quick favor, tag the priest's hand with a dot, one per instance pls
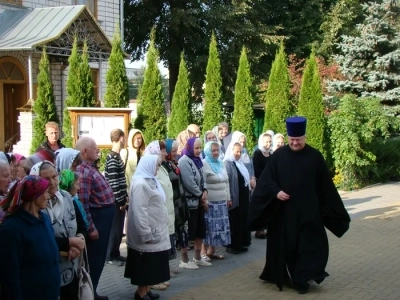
(282, 196)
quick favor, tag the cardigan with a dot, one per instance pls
(217, 184)
(191, 178)
(29, 258)
(163, 178)
(233, 182)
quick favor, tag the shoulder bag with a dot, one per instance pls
(85, 291)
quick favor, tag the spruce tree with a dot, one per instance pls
(44, 106)
(278, 105)
(151, 111)
(73, 95)
(213, 92)
(86, 81)
(243, 114)
(311, 106)
(180, 102)
(117, 90)
(370, 59)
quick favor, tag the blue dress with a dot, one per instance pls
(29, 258)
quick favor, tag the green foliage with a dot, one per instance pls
(180, 102)
(102, 160)
(73, 99)
(311, 106)
(387, 159)
(278, 106)
(354, 129)
(117, 91)
(243, 114)
(213, 92)
(44, 107)
(85, 80)
(152, 120)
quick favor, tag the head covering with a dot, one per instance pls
(66, 179)
(239, 163)
(207, 133)
(168, 145)
(215, 131)
(261, 142)
(56, 206)
(131, 135)
(18, 157)
(146, 169)
(153, 148)
(296, 126)
(64, 158)
(236, 135)
(27, 189)
(215, 163)
(189, 152)
(276, 137)
(41, 155)
(4, 157)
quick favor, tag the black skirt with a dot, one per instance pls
(147, 268)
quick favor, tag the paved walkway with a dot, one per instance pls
(364, 264)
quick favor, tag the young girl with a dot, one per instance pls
(69, 181)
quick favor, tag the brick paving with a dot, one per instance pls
(364, 264)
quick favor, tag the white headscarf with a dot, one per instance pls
(275, 142)
(239, 163)
(64, 158)
(236, 135)
(261, 142)
(147, 168)
(3, 157)
(153, 148)
(56, 211)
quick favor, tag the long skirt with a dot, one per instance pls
(218, 231)
(147, 268)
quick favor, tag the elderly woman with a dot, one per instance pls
(67, 159)
(194, 185)
(239, 187)
(279, 141)
(180, 205)
(147, 238)
(67, 223)
(28, 251)
(217, 218)
(239, 137)
(210, 136)
(158, 148)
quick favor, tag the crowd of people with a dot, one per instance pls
(172, 194)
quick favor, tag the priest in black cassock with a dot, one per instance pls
(296, 198)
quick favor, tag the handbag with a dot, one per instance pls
(85, 290)
(192, 202)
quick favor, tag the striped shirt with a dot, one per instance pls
(94, 191)
(115, 175)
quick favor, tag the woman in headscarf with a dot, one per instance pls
(239, 186)
(210, 136)
(67, 222)
(261, 159)
(180, 205)
(147, 237)
(217, 217)
(67, 159)
(158, 148)
(217, 131)
(28, 251)
(279, 141)
(239, 137)
(194, 185)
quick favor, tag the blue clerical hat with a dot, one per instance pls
(296, 126)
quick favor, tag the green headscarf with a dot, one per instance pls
(66, 179)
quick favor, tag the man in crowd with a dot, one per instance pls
(191, 131)
(98, 201)
(296, 198)
(52, 142)
(115, 175)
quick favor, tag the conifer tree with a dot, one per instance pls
(117, 90)
(213, 92)
(44, 106)
(73, 98)
(311, 106)
(180, 113)
(151, 111)
(86, 81)
(370, 59)
(278, 106)
(243, 114)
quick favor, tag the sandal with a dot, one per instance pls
(215, 255)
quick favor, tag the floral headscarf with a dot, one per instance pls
(28, 189)
(215, 163)
(153, 148)
(189, 152)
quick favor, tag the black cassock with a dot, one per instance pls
(297, 243)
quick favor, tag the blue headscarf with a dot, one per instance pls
(168, 145)
(215, 163)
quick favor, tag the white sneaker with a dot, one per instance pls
(202, 263)
(189, 265)
(204, 257)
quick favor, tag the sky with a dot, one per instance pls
(142, 63)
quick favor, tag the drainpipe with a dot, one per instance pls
(30, 76)
(62, 93)
(121, 16)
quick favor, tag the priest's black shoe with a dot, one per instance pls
(98, 297)
(153, 296)
(145, 297)
(303, 288)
